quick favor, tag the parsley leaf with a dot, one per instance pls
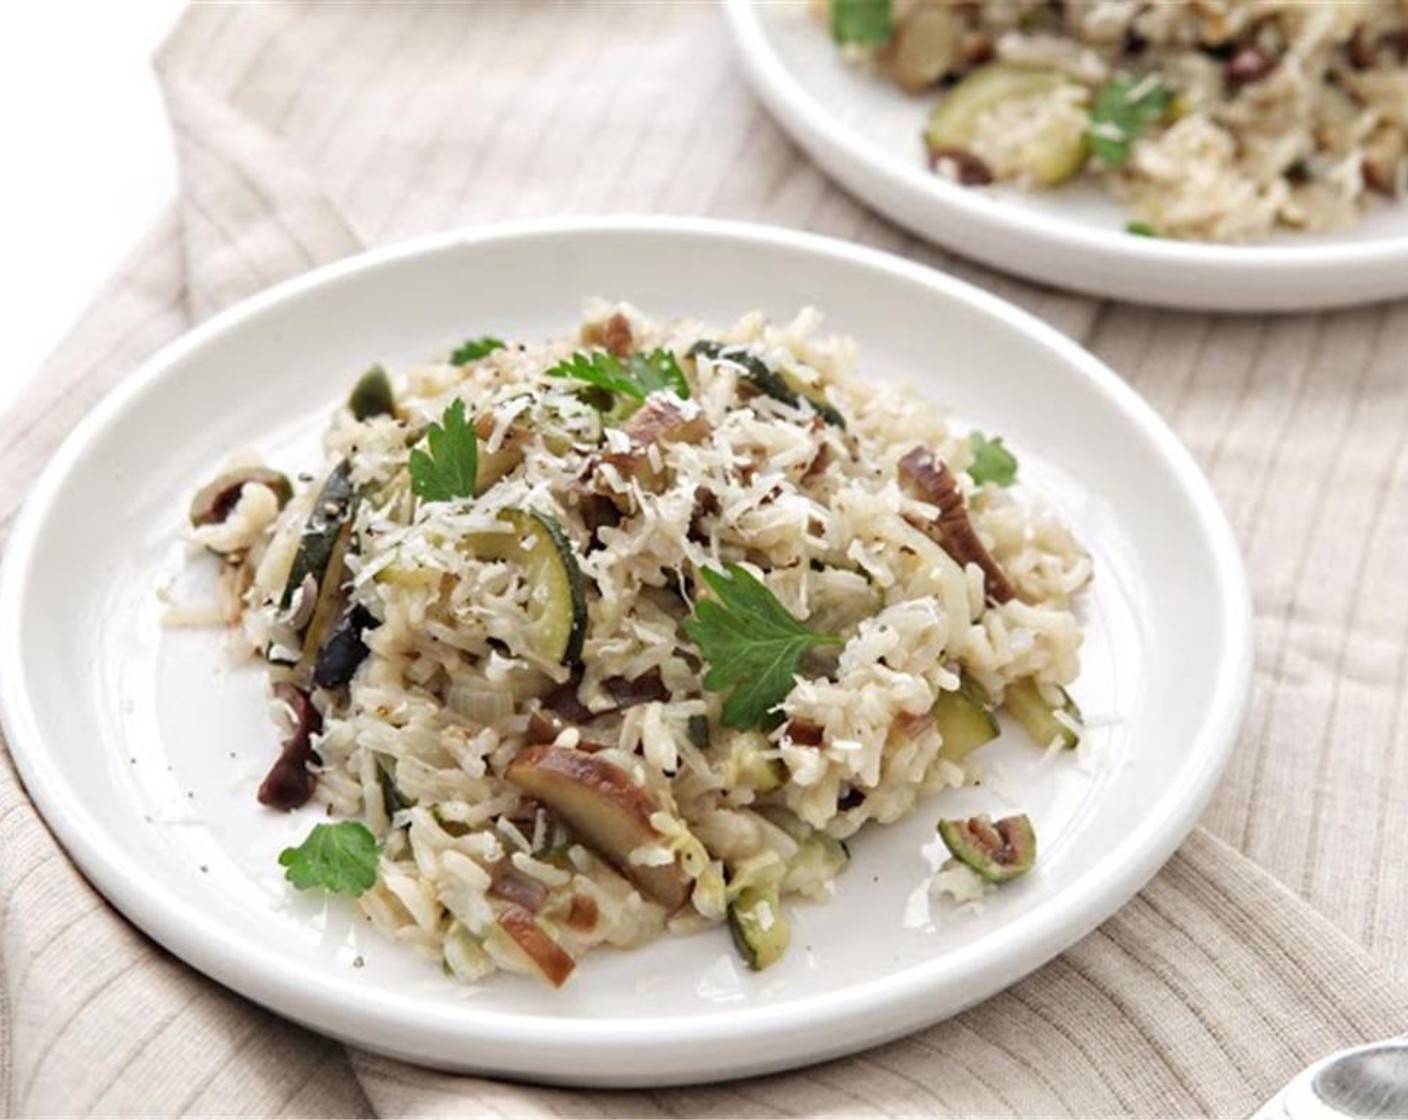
(634, 378)
(753, 646)
(1123, 109)
(475, 348)
(449, 468)
(992, 462)
(861, 21)
(339, 858)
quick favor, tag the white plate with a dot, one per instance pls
(865, 133)
(124, 732)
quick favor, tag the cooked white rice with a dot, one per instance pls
(817, 511)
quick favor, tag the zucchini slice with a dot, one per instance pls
(1028, 705)
(963, 720)
(324, 541)
(780, 385)
(372, 395)
(557, 602)
(759, 928)
(1049, 157)
(331, 512)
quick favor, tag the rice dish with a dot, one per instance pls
(632, 630)
(1211, 120)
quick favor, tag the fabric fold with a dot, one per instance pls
(299, 126)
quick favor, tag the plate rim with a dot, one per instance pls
(884, 1008)
(806, 121)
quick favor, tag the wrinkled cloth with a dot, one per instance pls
(1278, 933)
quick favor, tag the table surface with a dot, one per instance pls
(96, 157)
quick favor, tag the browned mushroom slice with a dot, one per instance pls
(550, 958)
(663, 419)
(512, 886)
(289, 782)
(935, 483)
(613, 335)
(608, 811)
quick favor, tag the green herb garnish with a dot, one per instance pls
(1123, 109)
(1140, 229)
(992, 462)
(475, 348)
(340, 858)
(753, 646)
(861, 21)
(633, 378)
(448, 470)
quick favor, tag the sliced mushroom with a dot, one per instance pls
(613, 335)
(952, 530)
(608, 811)
(216, 500)
(289, 782)
(664, 419)
(583, 913)
(550, 958)
(628, 692)
(512, 886)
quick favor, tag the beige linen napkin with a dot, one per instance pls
(1276, 934)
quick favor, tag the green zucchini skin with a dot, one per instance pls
(963, 721)
(766, 380)
(1025, 703)
(576, 584)
(331, 512)
(760, 946)
(561, 631)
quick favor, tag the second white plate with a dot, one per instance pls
(865, 134)
(143, 746)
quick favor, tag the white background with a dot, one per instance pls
(90, 161)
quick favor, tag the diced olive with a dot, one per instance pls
(1029, 706)
(217, 499)
(963, 720)
(372, 395)
(1049, 157)
(926, 46)
(344, 648)
(557, 600)
(782, 385)
(759, 928)
(997, 850)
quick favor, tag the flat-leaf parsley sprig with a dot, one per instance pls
(992, 462)
(752, 645)
(448, 469)
(1124, 109)
(634, 378)
(339, 858)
